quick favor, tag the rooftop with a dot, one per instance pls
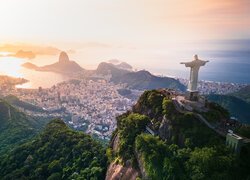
(234, 136)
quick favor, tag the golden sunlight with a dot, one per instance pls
(10, 66)
(4, 54)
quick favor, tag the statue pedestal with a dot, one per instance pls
(192, 95)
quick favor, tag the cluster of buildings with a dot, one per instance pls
(210, 87)
(86, 105)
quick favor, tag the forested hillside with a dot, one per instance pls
(15, 126)
(57, 153)
(236, 106)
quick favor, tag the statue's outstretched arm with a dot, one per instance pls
(204, 62)
(187, 64)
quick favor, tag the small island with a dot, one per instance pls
(9, 82)
(25, 54)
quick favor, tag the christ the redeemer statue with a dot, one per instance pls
(195, 66)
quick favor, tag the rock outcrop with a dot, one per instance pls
(118, 171)
(121, 172)
(63, 58)
(164, 129)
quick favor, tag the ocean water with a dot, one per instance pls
(13, 67)
(223, 66)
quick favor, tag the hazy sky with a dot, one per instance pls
(124, 28)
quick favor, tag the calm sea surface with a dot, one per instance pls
(12, 67)
(223, 67)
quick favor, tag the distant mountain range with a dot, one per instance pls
(138, 80)
(120, 72)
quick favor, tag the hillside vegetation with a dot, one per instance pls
(243, 94)
(57, 153)
(15, 126)
(15, 101)
(236, 106)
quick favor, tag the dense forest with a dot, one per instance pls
(16, 127)
(56, 153)
(237, 103)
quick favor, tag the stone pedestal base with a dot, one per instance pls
(192, 95)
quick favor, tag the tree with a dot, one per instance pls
(207, 163)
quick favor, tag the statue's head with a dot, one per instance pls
(195, 57)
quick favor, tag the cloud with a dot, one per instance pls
(95, 45)
(85, 45)
(36, 49)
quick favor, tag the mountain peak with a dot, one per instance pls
(64, 65)
(63, 58)
(124, 65)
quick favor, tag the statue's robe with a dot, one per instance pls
(195, 66)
